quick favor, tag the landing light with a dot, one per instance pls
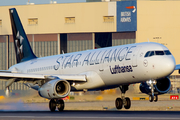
(149, 82)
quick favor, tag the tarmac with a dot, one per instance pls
(90, 107)
(90, 102)
(90, 115)
(94, 105)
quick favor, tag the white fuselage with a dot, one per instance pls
(105, 67)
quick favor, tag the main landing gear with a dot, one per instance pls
(7, 92)
(53, 103)
(123, 100)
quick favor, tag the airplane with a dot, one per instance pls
(98, 69)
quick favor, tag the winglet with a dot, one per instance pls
(22, 47)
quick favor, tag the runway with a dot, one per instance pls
(90, 115)
(97, 110)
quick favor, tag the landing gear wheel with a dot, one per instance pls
(127, 103)
(155, 98)
(151, 98)
(119, 103)
(60, 105)
(52, 105)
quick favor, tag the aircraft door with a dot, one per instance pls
(135, 56)
(101, 62)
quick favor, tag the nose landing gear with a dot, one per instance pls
(152, 97)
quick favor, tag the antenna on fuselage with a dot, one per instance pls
(62, 51)
(148, 39)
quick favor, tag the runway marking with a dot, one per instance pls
(55, 117)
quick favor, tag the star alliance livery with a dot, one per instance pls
(99, 69)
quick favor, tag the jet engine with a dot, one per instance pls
(55, 89)
(161, 86)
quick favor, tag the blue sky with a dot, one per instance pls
(24, 2)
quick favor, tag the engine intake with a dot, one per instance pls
(162, 86)
(55, 89)
(62, 88)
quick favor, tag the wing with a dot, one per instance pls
(32, 77)
(177, 67)
(29, 77)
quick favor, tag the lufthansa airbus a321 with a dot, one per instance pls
(54, 77)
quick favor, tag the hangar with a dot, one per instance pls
(62, 28)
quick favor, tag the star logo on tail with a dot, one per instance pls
(19, 45)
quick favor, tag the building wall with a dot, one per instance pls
(79, 42)
(123, 38)
(3, 52)
(53, 18)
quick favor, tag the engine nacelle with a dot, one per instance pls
(55, 89)
(162, 86)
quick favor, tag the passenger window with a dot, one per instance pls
(152, 53)
(159, 52)
(167, 52)
(147, 54)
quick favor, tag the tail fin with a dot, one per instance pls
(22, 47)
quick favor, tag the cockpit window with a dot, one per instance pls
(147, 54)
(167, 52)
(152, 53)
(159, 52)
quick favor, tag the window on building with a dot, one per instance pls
(0, 22)
(108, 18)
(33, 21)
(69, 19)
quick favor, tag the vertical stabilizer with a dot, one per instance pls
(22, 47)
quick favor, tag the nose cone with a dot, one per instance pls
(168, 65)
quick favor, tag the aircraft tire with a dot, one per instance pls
(151, 98)
(60, 105)
(127, 104)
(155, 98)
(119, 103)
(52, 105)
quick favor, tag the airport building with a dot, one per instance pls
(63, 28)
